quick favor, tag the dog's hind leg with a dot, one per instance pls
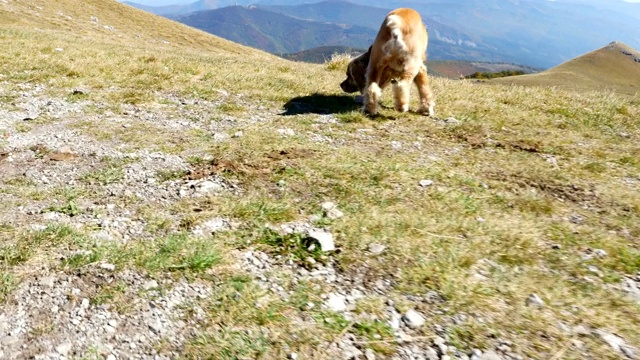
(427, 103)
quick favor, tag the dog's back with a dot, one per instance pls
(402, 35)
(397, 57)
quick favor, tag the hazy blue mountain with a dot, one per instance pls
(538, 33)
(275, 32)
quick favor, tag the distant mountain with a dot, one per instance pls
(445, 42)
(275, 32)
(272, 29)
(536, 33)
(615, 66)
(175, 10)
(532, 32)
(452, 69)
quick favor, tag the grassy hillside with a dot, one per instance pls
(614, 67)
(162, 189)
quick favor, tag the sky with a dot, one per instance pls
(174, 2)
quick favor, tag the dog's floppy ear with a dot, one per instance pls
(359, 70)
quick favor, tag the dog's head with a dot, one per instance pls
(356, 73)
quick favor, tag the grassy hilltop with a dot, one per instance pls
(147, 170)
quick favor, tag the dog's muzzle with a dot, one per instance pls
(348, 87)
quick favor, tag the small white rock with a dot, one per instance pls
(64, 348)
(84, 304)
(600, 253)
(425, 183)
(369, 354)
(286, 132)
(376, 249)
(108, 267)
(490, 355)
(331, 210)
(151, 284)
(534, 300)
(336, 302)
(413, 319)
(324, 238)
(394, 323)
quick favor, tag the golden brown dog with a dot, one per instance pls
(397, 56)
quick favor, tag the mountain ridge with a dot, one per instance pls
(538, 34)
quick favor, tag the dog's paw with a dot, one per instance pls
(428, 110)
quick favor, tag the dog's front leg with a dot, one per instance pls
(372, 95)
(427, 104)
(401, 95)
(373, 90)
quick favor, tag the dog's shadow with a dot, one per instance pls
(320, 104)
(324, 104)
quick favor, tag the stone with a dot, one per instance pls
(84, 303)
(394, 323)
(438, 340)
(600, 253)
(376, 249)
(413, 319)
(452, 121)
(108, 267)
(286, 132)
(616, 342)
(8, 341)
(331, 210)
(431, 354)
(369, 354)
(48, 281)
(534, 300)
(336, 302)
(207, 186)
(325, 239)
(151, 284)
(490, 355)
(425, 183)
(64, 348)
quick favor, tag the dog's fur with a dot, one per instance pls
(397, 56)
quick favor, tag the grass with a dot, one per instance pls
(507, 181)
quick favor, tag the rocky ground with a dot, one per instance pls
(49, 314)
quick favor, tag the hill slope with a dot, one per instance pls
(169, 194)
(613, 67)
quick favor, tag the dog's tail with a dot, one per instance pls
(396, 44)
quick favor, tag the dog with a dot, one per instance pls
(397, 57)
